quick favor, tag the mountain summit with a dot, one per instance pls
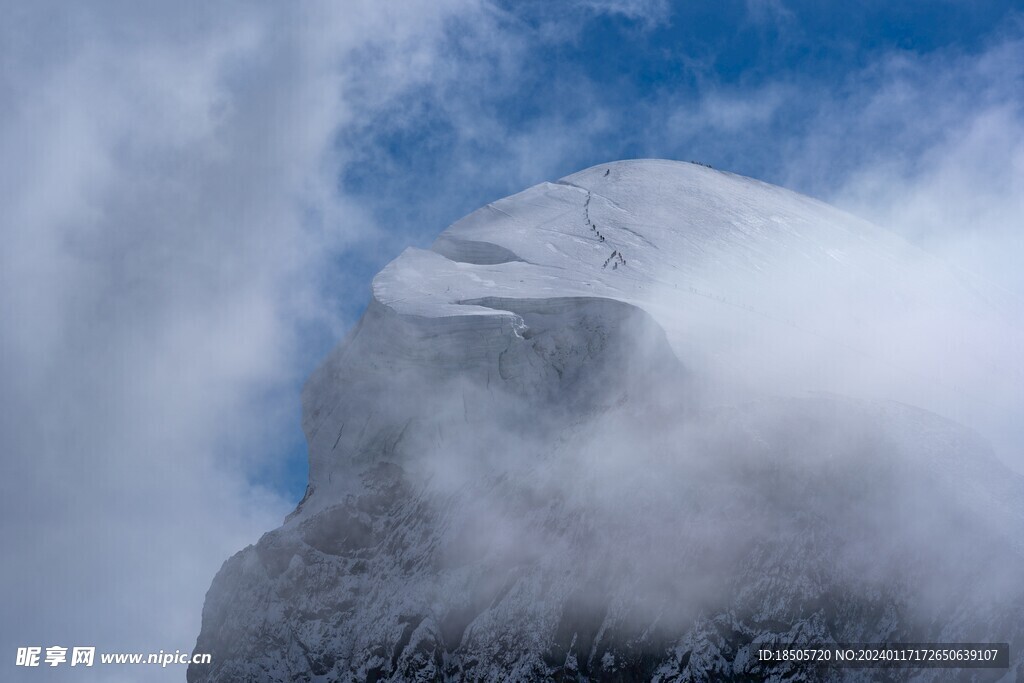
(633, 425)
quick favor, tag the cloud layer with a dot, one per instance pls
(170, 218)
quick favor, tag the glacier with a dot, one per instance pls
(631, 425)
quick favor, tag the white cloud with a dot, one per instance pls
(649, 12)
(170, 213)
(930, 147)
(961, 196)
(729, 111)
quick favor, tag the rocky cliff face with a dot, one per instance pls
(573, 441)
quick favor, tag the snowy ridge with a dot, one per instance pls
(554, 449)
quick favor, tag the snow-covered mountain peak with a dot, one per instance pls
(755, 287)
(573, 441)
(617, 230)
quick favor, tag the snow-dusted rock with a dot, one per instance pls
(574, 441)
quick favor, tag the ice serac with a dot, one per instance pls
(633, 425)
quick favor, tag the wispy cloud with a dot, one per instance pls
(648, 12)
(721, 112)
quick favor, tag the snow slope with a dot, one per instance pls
(574, 440)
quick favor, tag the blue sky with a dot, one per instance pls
(197, 196)
(612, 83)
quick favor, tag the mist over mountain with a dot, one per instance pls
(631, 425)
